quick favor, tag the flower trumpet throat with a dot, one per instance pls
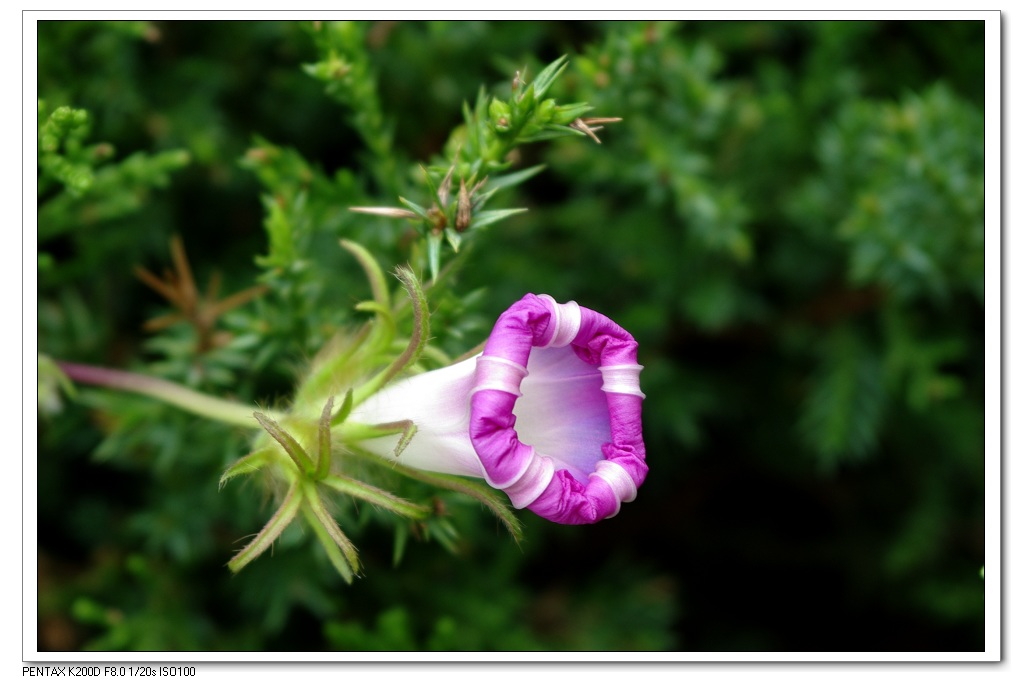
(549, 412)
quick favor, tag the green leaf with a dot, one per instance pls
(566, 113)
(546, 78)
(374, 273)
(512, 179)
(453, 238)
(400, 542)
(552, 132)
(845, 401)
(433, 246)
(417, 209)
(484, 218)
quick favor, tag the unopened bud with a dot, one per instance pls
(464, 215)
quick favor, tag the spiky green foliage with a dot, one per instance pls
(788, 218)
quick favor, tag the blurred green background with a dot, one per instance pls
(789, 219)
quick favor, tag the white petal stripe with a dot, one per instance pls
(532, 482)
(622, 379)
(567, 320)
(498, 374)
(618, 478)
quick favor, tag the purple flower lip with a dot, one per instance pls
(550, 413)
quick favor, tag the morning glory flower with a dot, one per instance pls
(549, 412)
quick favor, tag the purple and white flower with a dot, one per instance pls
(549, 412)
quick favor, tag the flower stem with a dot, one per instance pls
(169, 392)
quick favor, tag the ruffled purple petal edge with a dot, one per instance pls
(527, 477)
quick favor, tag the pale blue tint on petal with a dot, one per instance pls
(562, 412)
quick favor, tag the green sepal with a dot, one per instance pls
(315, 505)
(352, 433)
(377, 497)
(344, 410)
(287, 441)
(408, 431)
(284, 515)
(250, 463)
(334, 552)
(323, 440)
(478, 491)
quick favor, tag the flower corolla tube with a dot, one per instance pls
(549, 412)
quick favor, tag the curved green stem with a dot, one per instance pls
(169, 392)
